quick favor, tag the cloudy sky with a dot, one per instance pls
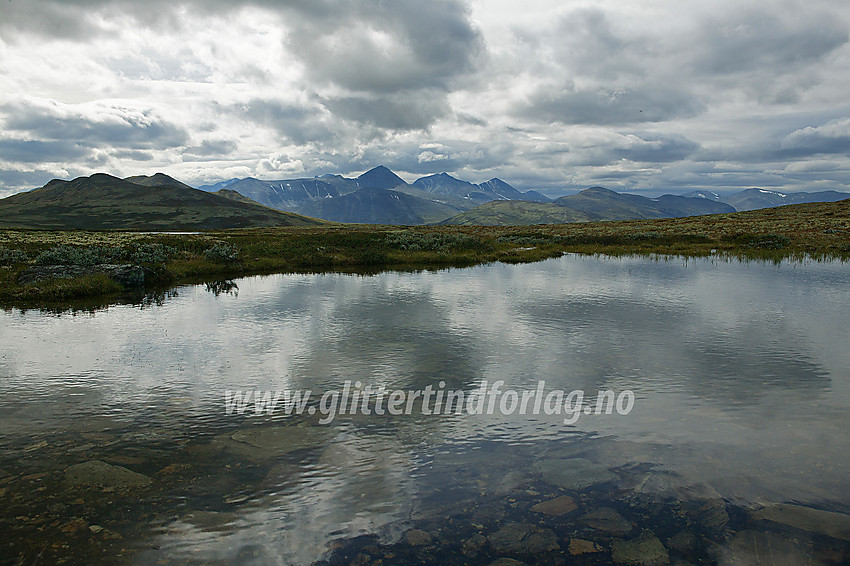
(649, 96)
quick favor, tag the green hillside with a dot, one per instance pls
(104, 202)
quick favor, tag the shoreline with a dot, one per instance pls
(817, 231)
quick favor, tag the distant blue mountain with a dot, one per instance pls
(334, 197)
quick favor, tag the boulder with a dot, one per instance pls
(96, 473)
(646, 550)
(574, 473)
(831, 524)
(524, 538)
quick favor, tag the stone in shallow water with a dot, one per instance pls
(574, 473)
(682, 541)
(755, 548)
(524, 538)
(699, 502)
(210, 520)
(556, 507)
(506, 562)
(96, 473)
(646, 550)
(473, 544)
(269, 441)
(609, 521)
(417, 537)
(581, 546)
(835, 525)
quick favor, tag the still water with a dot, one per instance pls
(116, 444)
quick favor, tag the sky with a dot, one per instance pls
(646, 96)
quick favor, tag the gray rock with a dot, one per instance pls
(210, 520)
(646, 550)
(705, 507)
(126, 275)
(609, 521)
(524, 538)
(755, 548)
(96, 473)
(265, 442)
(835, 525)
(556, 507)
(581, 546)
(473, 544)
(417, 537)
(699, 502)
(574, 473)
(682, 541)
(507, 562)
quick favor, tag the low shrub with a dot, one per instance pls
(11, 257)
(222, 253)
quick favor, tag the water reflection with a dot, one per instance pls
(740, 373)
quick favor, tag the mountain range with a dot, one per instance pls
(752, 199)
(378, 196)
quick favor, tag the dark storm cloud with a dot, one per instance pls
(387, 47)
(610, 106)
(300, 124)
(370, 54)
(15, 180)
(655, 148)
(213, 148)
(398, 111)
(763, 42)
(34, 151)
(133, 155)
(830, 138)
(359, 45)
(108, 126)
(585, 42)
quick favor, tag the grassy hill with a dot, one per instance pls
(517, 213)
(591, 205)
(104, 202)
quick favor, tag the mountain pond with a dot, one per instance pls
(630, 410)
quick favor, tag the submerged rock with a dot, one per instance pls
(556, 507)
(507, 562)
(417, 537)
(473, 544)
(835, 525)
(574, 473)
(524, 538)
(609, 521)
(700, 503)
(580, 546)
(269, 441)
(646, 550)
(705, 507)
(683, 542)
(210, 520)
(96, 473)
(756, 548)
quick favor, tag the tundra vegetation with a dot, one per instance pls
(814, 231)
